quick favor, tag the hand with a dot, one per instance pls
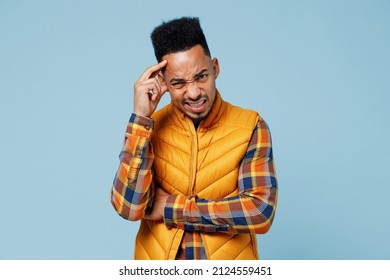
(160, 199)
(146, 103)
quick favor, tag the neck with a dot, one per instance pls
(196, 124)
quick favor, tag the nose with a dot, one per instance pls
(193, 90)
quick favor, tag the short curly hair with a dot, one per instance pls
(178, 35)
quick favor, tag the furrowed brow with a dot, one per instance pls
(176, 80)
(180, 80)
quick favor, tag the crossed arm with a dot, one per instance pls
(134, 196)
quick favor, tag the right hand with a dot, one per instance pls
(144, 102)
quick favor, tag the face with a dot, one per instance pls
(190, 77)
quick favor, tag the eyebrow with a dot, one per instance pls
(200, 73)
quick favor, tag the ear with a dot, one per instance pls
(216, 67)
(164, 86)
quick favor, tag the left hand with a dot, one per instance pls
(157, 212)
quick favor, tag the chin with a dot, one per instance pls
(198, 118)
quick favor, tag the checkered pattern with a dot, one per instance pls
(131, 194)
(252, 211)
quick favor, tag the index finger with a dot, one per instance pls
(152, 71)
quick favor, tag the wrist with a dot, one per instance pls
(141, 120)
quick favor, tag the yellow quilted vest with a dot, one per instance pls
(203, 162)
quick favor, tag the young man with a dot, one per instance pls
(198, 173)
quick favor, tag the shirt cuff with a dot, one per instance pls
(137, 137)
(174, 211)
(139, 125)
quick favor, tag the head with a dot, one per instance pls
(190, 73)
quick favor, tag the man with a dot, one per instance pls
(198, 173)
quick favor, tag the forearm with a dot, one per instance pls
(248, 212)
(131, 191)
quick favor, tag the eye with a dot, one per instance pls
(178, 84)
(203, 77)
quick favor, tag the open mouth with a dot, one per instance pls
(196, 106)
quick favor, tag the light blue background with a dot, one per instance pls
(317, 71)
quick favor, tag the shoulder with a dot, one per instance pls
(161, 113)
(238, 116)
(163, 116)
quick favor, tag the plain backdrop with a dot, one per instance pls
(317, 71)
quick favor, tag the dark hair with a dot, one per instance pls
(178, 35)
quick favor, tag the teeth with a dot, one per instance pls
(196, 104)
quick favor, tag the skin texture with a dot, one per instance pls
(194, 99)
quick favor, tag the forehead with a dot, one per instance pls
(186, 64)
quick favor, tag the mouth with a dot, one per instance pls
(196, 106)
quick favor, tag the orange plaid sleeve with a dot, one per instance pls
(131, 194)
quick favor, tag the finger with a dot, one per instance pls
(154, 87)
(153, 70)
(158, 93)
(157, 97)
(143, 87)
(153, 90)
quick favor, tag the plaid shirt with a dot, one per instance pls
(250, 212)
